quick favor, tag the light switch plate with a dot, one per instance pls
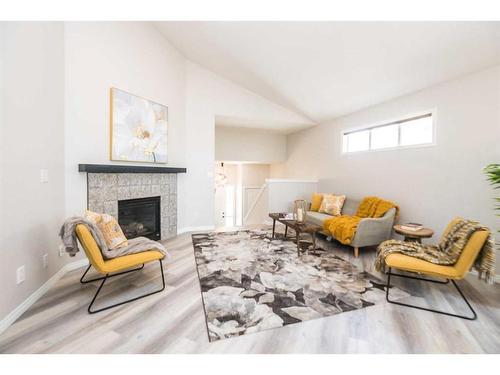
(45, 260)
(21, 274)
(44, 176)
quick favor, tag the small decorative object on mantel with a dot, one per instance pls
(299, 210)
(138, 128)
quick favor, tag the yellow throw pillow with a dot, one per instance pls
(110, 229)
(93, 217)
(316, 200)
(332, 204)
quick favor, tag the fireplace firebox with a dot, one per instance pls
(140, 217)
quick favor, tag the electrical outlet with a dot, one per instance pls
(62, 252)
(45, 260)
(21, 274)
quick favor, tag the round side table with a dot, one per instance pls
(414, 236)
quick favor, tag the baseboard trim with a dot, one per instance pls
(195, 229)
(37, 294)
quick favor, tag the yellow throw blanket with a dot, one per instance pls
(448, 252)
(344, 227)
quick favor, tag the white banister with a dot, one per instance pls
(254, 204)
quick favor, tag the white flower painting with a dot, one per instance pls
(138, 128)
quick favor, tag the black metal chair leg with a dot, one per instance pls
(389, 274)
(89, 309)
(101, 278)
(474, 315)
(421, 278)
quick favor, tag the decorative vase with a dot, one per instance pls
(299, 211)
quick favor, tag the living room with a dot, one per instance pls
(255, 187)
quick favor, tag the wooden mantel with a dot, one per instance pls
(110, 168)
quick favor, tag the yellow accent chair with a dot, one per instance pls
(114, 267)
(455, 272)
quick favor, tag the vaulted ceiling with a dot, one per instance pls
(324, 70)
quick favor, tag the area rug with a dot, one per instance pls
(250, 283)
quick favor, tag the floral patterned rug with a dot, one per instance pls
(250, 283)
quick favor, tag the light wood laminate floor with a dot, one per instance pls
(173, 321)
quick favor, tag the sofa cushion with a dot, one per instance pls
(350, 206)
(317, 217)
(316, 200)
(332, 204)
(111, 231)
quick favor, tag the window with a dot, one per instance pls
(417, 130)
(358, 141)
(384, 137)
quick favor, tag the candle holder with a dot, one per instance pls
(299, 211)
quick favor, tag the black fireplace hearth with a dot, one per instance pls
(140, 217)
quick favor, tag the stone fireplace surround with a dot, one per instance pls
(104, 190)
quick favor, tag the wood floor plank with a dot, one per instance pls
(173, 321)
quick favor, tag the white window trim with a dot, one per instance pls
(433, 113)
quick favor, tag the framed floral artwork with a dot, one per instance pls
(138, 128)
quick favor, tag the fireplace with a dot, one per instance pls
(107, 185)
(140, 217)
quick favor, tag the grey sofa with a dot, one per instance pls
(370, 231)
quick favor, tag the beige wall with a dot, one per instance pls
(249, 145)
(431, 184)
(31, 138)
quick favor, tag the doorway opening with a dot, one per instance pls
(240, 197)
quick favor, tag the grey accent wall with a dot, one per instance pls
(106, 189)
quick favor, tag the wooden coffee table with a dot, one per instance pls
(414, 236)
(299, 228)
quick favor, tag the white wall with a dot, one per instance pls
(281, 193)
(31, 138)
(249, 145)
(132, 56)
(209, 96)
(55, 114)
(222, 212)
(431, 184)
(254, 174)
